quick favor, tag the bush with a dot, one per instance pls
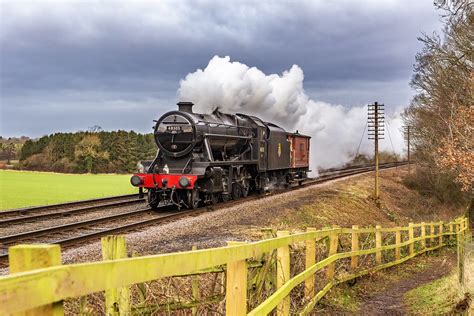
(64, 165)
(384, 156)
(436, 183)
(37, 162)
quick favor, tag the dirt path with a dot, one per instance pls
(389, 299)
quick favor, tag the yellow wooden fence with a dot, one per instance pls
(38, 283)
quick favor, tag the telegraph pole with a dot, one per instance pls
(376, 132)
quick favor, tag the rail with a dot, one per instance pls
(40, 285)
(30, 209)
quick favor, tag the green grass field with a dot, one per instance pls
(28, 188)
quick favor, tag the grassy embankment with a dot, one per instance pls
(27, 188)
(349, 202)
(442, 296)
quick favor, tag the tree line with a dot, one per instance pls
(91, 151)
(441, 115)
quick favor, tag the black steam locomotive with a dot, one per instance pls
(204, 158)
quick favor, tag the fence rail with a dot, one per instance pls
(39, 283)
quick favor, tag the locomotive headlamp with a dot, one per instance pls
(136, 180)
(184, 182)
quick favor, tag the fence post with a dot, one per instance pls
(283, 273)
(441, 233)
(423, 235)
(451, 230)
(411, 235)
(333, 243)
(117, 301)
(355, 247)
(378, 244)
(30, 257)
(398, 240)
(236, 286)
(310, 261)
(468, 227)
(195, 289)
(141, 288)
(432, 234)
(462, 245)
(458, 244)
(266, 275)
(469, 216)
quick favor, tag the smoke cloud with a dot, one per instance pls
(336, 130)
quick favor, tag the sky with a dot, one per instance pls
(70, 65)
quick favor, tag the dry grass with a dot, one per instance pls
(350, 202)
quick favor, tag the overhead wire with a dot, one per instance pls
(361, 138)
(390, 137)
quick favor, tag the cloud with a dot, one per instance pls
(62, 52)
(280, 98)
(236, 87)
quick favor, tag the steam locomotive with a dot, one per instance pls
(207, 158)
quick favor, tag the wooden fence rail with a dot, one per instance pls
(38, 283)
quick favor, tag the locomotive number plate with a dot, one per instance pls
(174, 128)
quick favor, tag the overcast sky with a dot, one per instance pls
(66, 66)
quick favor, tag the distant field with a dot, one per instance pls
(28, 188)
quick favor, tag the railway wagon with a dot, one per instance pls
(299, 153)
(206, 158)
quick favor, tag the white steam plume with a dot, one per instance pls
(236, 88)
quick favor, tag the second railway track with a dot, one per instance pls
(66, 205)
(43, 214)
(90, 229)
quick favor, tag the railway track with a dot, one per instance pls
(89, 229)
(44, 213)
(27, 210)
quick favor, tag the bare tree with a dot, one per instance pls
(442, 113)
(88, 152)
(95, 129)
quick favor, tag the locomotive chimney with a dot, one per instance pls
(185, 107)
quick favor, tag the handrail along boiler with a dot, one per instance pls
(219, 156)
